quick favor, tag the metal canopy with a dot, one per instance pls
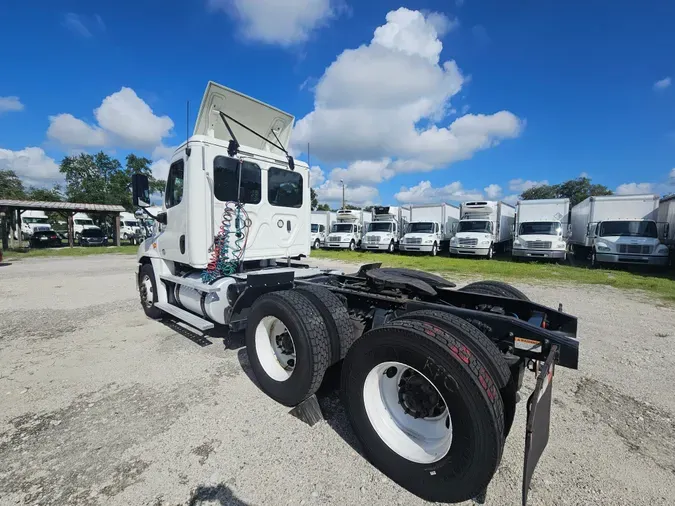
(61, 206)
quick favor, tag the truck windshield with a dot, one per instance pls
(131, 223)
(84, 222)
(421, 228)
(341, 227)
(315, 228)
(35, 220)
(475, 226)
(540, 228)
(379, 227)
(628, 228)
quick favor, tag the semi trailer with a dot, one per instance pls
(618, 229)
(388, 226)
(430, 373)
(348, 229)
(485, 227)
(320, 227)
(431, 228)
(542, 228)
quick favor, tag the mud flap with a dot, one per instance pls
(538, 420)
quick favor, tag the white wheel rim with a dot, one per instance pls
(275, 348)
(149, 294)
(422, 440)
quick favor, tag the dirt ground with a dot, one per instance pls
(100, 405)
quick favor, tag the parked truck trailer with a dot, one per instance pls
(485, 227)
(431, 228)
(430, 374)
(542, 228)
(618, 229)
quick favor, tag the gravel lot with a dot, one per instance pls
(100, 405)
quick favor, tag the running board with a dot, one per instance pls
(190, 283)
(189, 318)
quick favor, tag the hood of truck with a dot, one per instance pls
(638, 241)
(258, 116)
(39, 227)
(418, 235)
(553, 239)
(481, 236)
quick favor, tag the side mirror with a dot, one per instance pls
(161, 217)
(140, 190)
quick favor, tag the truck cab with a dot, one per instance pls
(485, 228)
(542, 228)
(318, 231)
(385, 231)
(34, 221)
(627, 241)
(347, 232)
(130, 227)
(82, 221)
(423, 236)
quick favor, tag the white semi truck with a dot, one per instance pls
(430, 396)
(431, 228)
(485, 228)
(388, 226)
(347, 232)
(320, 227)
(34, 221)
(542, 228)
(618, 229)
(82, 221)
(130, 228)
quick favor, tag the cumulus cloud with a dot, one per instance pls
(160, 169)
(316, 176)
(511, 199)
(663, 84)
(10, 104)
(671, 176)
(424, 192)
(360, 195)
(283, 22)
(388, 98)
(124, 120)
(492, 191)
(32, 164)
(634, 188)
(364, 171)
(520, 185)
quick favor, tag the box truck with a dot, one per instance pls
(618, 229)
(542, 229)
(485, 227)
(348, 229)
(430, 229)
(388, 226)
(320, 227)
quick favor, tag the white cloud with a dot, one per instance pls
(520, 185)
(662, 84)
(634, 188)
(583, 174)
(316, 176)
(32, 164)
(76, 24)
(124, 120)
(163, 151)
(364, 171)
(671, 176)
(10, 104)
(160, 169)
(361, 195)
(386, 98)
(511, 199)
(283, 22)
(424, 193)
(493, 191)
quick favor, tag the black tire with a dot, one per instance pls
(481, 346)
(390, 248)
(352, 245)
(474, 405)
(317, 244)
(434, 250)
(497, 288)
(336, 317)
(148, 305)
(490, 253)
(310, 338)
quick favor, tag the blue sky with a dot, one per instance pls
(539, 91)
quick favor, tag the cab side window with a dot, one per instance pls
(284, 188)
(174, 185)
(226, 178)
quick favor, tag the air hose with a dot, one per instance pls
(223, 261)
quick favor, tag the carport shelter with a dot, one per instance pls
(67, 209)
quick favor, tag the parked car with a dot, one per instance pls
(92, 237)
(45, 238)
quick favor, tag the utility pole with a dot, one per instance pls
(343, 193)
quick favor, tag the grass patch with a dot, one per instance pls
(78, 251)
(662, 284)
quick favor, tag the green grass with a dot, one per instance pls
(662, 284)
(67, 252)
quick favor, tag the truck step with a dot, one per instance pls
(190, 283)
(189, 318)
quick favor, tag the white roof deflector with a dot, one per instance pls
(257, 116)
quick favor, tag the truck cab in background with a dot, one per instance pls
(388, 226)
(619, 229)
(320, 227)
(485, 227)
(33, 221)
(82, 221)
(541, 230)
(130, 228)
(431, 228)
(347, 232)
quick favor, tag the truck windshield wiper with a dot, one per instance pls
(234, 146)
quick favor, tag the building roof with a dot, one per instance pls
(61, 206)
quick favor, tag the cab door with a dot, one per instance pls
(172, 241)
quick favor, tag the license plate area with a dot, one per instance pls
(538, 420)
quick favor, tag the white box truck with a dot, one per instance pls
(431, 228)
(542, 229)
(388, 226)
(225, 260)
(618, 229)
(485, 227)
(348, 229)
(320, 227)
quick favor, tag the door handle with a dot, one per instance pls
(288, 225)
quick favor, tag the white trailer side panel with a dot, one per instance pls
(506, 217)
(667, 216)
(433, 213)
(543, 210)
(580, 217)
(451, 220)
(624, 207)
